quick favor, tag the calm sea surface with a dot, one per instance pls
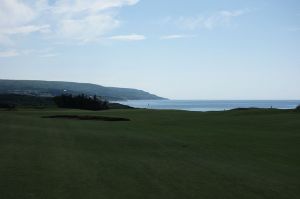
(210, 105)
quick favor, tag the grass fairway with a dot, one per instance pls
(157, 154)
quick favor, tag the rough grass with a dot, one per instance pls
(158, 154)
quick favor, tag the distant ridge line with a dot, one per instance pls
(54, 88)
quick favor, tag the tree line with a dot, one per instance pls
(80, 102)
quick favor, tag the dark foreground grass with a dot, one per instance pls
(157, 154)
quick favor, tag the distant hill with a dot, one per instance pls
(55, 88)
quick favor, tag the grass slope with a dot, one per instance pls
(158, 154)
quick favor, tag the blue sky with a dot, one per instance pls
(191, 49)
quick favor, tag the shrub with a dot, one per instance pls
(7, 106)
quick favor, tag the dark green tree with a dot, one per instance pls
(80, 102)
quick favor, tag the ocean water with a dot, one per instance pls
(210, 105)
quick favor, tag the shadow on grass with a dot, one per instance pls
(88, 117)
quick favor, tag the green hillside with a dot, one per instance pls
(54, 88)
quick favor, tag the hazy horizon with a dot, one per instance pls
(198, 50)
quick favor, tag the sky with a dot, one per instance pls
(179, 49)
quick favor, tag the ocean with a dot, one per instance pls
(210, 105)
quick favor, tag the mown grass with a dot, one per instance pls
(157, 154)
